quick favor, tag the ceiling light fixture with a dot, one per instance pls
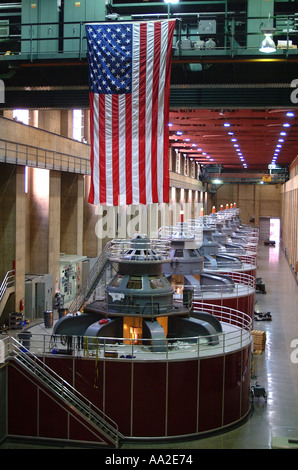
(268, 45)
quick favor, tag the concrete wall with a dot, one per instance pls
(18, 132)
(254, 201)
(289, 222)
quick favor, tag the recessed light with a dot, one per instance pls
(227, 124)
(290, 114)
(231, 133)
(234, 139)
(283, 133)
(278, 145)
(179, 132)
(286, 124)
(281, 140)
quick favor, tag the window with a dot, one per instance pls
(117, 281)
(21, 115)
(155, 282)
(77, 125)
(135, 282)
(178, 253)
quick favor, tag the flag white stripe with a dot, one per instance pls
(95, 149)
(122, 152)
(109, 150)
(161, 98)
(135, 114)
(149, 90)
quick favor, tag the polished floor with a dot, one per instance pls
(269, 422)
(275, 369)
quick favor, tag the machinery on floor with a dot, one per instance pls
(139, 301)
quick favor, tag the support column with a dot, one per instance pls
(20, 238)
(66, 123)
(72, 206)
(54, 228)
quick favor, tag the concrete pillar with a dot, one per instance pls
(54, 228)
(66, 122)
(86, 117)
(257, 199)
(92, 241)
(20, 238)
(38, 219)
(50, 120)
(153, 221)
(72, 207)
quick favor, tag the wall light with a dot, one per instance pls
(268, 45)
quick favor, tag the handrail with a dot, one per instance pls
(39, 157)
(236, 333)
(64, 389)
(8, 281)
(90, 283)
(228, 38)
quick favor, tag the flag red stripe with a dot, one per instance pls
(102, 150)
(155, 107)
(128, 149)
(166, 180)
(142, 113)
(91, 191)
(115, 148)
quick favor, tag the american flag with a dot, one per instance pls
(129, 87)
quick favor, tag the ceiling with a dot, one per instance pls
(207, 138)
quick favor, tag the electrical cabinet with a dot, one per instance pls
(38, 295)
(76, 14)
(40, 27)
(70, 275)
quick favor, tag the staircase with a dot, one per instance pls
(6, 289)
(91, 283)
(100, 424)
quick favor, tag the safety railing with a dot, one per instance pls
(248, 261)
(148, 250)
(16, 351)
(243, 285)
(185, 230)
(8, 281)
(233, 33)
(38, 157)
(236, 334)
(91, 282)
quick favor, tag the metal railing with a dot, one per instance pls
(236, 335)
(91, 282)
(38, 157)
(8, 281)
(235, 34)
(95, 417)
(126, 250)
